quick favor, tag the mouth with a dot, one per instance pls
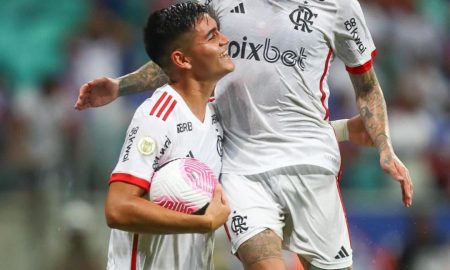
(224, 55)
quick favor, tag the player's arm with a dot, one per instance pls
(127, 210)
(104, 90)
(372, 109)
(352, 130)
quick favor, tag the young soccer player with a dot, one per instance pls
(177, 121)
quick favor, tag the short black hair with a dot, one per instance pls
(165, 26)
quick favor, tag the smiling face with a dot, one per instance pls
(208, 51)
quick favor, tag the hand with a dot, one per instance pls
(357, 132)
(392, 165)
(97, 93)
(218, 209)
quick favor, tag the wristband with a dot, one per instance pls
(340, 129)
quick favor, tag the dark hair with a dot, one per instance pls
(165, 26)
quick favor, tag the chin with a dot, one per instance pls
(230, 67)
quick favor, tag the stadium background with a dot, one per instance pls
(55, 161)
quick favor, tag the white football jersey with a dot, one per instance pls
(274, 106)
(164, 128)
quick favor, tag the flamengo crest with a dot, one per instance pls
(302, 18)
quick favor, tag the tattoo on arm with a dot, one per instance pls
(372, 107)
(149, 76)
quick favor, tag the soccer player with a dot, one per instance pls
(281, 156)
(177, 121)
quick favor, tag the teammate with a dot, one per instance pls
(177, 121)
(281, 157)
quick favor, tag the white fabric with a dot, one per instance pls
(181, 134)
(341, 129)
(307, 196)
(274, 105)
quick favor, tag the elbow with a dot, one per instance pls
(114, 218)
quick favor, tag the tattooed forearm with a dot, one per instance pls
(149, 76)
(366, 113)
(372, 108)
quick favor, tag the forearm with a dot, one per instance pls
(138, 215)
(149, 76)
(372, 108)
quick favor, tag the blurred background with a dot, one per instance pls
(55, 162)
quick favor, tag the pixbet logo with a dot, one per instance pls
(271, 54)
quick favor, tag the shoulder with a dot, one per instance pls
(160, 107)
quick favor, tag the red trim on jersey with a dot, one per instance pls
(158, 103)
(130, 179)
(134, 252)
(170, 110)
(322, 79)
(364, 67)
(227, 231)
(164, 106)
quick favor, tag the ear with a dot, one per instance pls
(180, 60)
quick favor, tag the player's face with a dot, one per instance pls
(209, 51)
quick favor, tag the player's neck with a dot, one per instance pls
(196, 95)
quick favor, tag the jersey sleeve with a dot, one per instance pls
(352, 40)
(147, 137)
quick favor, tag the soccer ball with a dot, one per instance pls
(185, 185)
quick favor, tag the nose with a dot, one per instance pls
(223, 39)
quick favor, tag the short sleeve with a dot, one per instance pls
(145, 139)
(352, 40)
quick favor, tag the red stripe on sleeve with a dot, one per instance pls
(364, 67)
(158, 103)
(164, 106)
(130, 179)
(170, 110)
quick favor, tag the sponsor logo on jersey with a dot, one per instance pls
(146, 146)
(342, 254)
(352, 27)
(238, 9)
(302, 18)
(129, 143)
(184, 127)
(214, 119)
(163, 150)
(238, 223)
(219, 145)
(190, 154)
(271, 54)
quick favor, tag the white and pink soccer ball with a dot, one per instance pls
(185, 185)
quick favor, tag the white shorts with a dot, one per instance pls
(301, 204)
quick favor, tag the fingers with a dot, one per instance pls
(84, 97)
(406, 184)
(401, 174)
(220, 194)
(83, 101)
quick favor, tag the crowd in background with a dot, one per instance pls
(55, 162)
